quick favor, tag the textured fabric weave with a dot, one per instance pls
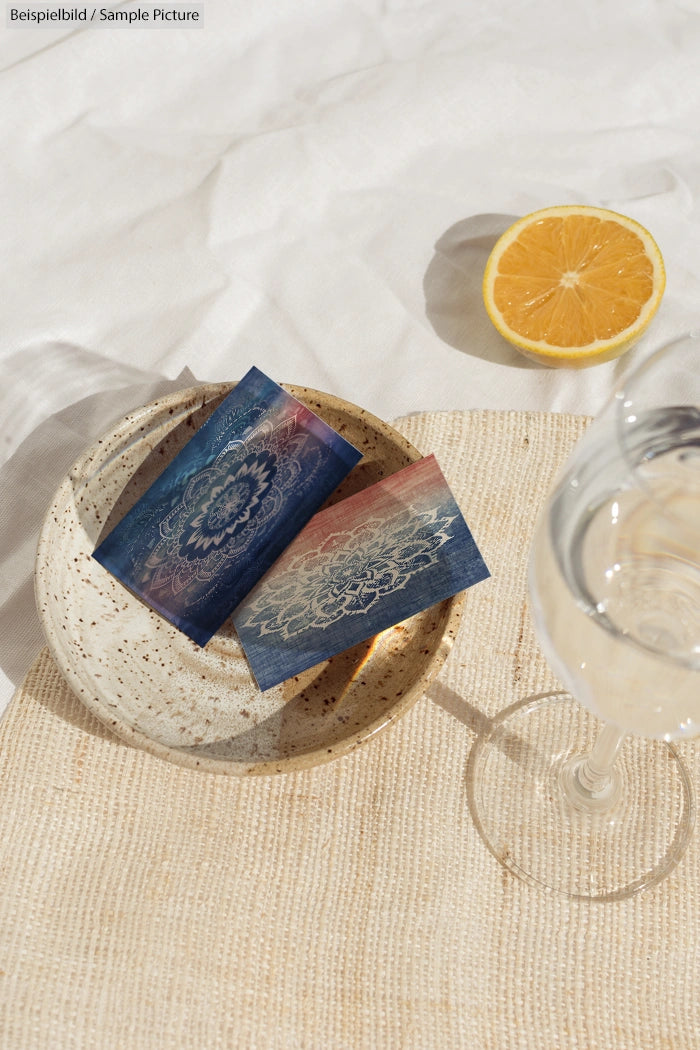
(351, 906)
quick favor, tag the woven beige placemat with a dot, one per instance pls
(353, 906)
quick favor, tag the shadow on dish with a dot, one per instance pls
(44, 456)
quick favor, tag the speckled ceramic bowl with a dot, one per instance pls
(200, 707)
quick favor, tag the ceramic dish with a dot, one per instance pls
(200, 708)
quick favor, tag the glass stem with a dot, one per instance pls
(596, 769)
(590, 781)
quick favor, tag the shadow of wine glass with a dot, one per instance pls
(489, 731)
(513, 747)
(452, 284)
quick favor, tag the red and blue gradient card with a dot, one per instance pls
(358, 568)
(228, 504)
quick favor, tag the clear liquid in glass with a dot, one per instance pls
(615, 577)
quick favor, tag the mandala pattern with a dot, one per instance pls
(349, 574)
(232, 502)
(227, 505)
(225, 510)
(360, 566)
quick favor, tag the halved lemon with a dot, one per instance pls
(573, 285)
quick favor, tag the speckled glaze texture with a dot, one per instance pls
(156, 688)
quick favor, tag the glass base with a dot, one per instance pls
(517, 785)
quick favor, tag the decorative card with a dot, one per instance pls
(228, 504)
(358, 567)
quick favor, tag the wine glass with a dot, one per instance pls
(590, 797)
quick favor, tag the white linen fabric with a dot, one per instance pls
(312, 187)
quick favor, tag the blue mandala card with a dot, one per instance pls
(358, 568)
(228, 504)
